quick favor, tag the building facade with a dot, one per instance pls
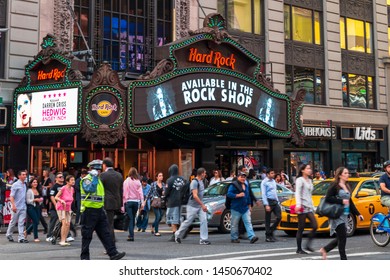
(337, 51)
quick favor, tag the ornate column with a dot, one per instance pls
(63, 24)
(182, 18)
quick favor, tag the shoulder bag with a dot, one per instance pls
(330, 210)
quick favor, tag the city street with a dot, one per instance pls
(148, 247)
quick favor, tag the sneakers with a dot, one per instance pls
(70, 239)
(204, 242)
(118, 256)
(178, 240)
(10, 239)
(64, 244)
(254, 239)
(49, 239)
(235, 241)
(269, 239)
(23, 241)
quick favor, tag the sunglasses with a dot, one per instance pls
(60, 176)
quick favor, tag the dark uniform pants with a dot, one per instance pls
(93, 219)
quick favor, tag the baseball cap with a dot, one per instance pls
(240, 173)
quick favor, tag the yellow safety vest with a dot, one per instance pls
(92, 200)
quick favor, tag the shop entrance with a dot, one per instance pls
(65, 158)
(227, 160)
(293, 160)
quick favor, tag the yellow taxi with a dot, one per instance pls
(365, 195)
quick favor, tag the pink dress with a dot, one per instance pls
(67, 196)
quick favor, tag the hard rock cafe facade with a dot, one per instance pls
(206, 94)
(206, 103)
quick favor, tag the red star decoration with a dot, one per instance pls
(64, 94)
(49, 96)
(54, 95)
(59, 95)
(44, 96)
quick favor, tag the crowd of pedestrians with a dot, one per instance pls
(100, 194)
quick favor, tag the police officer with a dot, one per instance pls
(93, 217)
(384, 182)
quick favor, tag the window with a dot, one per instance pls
(355, 35)
(302, 25)
(3, 9)
(242, 15)
(124, 42)
(309, 79)
(358, 91)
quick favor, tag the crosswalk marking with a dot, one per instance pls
(235, 253)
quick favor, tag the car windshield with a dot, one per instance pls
(322, 188)
(217, 189)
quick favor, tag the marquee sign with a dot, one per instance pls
(48, 98)
(210, 74)
(197, 91)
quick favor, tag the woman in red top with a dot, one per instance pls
(64, 200)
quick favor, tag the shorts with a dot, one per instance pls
(64, 215)
(385, 200)
(173, 215)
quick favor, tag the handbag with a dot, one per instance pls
(156, 202)
(293, 209)
(330, 210)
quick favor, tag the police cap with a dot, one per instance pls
(96, 164)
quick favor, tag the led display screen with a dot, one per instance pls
(191, 92)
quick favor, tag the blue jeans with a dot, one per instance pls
(34, 214)
(157, 220)
(143, 219)
(246, 218)
(131, 210)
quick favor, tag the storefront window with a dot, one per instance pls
(315, 159)
(243, 15)
(308, 79)
(302, 25)
(358, 91)
(355, 35)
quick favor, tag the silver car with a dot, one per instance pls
(218, 216)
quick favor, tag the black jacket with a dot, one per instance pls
(252, 196)
(113, 189)
(175, 183)
(332, 197)
(3, 187)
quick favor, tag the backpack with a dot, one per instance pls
(228, 202)
(90, 186)
(186, 192)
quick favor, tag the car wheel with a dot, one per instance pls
(226, 222)
(351, 225)
(291, 233)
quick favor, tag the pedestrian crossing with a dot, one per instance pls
(284, 253)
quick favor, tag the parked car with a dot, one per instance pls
(365, 195)
(218, 216)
